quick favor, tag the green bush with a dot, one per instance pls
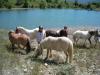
(47, 4)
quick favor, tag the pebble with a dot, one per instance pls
(31, 68)
(46, 64)
(24, 66)
(25, 70)
(41, 71)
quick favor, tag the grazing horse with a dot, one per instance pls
(86, 35)
(52, 33)
(56, 43)
(30, 33)
(19, 39)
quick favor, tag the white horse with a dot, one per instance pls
(30, 33)
(86, 35)
(56, 43)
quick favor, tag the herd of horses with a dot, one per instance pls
(52, 40)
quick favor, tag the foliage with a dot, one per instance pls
(47, 4)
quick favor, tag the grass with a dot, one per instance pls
(86, 61)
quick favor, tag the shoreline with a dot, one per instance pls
(74, 28)
(50, 8)
(70, 30)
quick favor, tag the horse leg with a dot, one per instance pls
(12, 47)
(84, 42)
(95, 44)
(70, 54)
(89, 41)
(67, 56)
(50, 53)
(28, 47)
(96, 39)
(47, 55)
(77, 40)
(74, 40)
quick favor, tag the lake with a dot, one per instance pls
(49, 18)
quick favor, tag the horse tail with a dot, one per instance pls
(70, 52)
(28, 46)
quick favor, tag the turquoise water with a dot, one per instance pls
(49, 18)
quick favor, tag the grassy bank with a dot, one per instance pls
(86, 61)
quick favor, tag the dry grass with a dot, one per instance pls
(86, 61)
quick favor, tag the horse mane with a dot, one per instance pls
(21, 28)
(25, 29)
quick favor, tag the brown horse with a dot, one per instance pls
(52, 33)
(63, 32)
(57, 33)
(19, 39)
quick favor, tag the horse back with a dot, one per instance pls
(52, 33)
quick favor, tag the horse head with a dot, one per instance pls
(20, 30)
(39, 51)
(93, 32)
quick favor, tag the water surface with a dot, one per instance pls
(49, 18)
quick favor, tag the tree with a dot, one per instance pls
(76, 2)
(20, 2)
(1, 3)
(9, 3)
(49, 1)
(26, 4)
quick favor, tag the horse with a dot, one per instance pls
(52, 33)
(86, 35)
(56, 43)
(30, 33)
(19, 39)
(58, 33)
(63, 32)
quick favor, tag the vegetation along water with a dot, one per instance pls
(84, 4)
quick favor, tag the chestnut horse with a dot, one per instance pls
(19, 39)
